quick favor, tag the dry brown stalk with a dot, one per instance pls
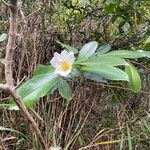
(9, 87)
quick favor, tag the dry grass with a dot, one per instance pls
(97, 113)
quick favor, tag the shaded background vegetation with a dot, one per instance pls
(97, 112)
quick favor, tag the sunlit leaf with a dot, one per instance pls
(145, 54)
(134, 78)
(88, 50)
(125, 54)
(107, 72)
(43, 69)
(37, 87)
(104, 59)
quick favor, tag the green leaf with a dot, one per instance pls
(88, 49)
(53, 89)
(134, 78)
(94, 77)
(64, 89)
(107, 72)
(104, 59)
(145, 53)
(70, 48)
(103, 49)
(75, 72)
(37, 87)
(42, 69)
(126, 54)
(3, 37)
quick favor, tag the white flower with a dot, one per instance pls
(63, 62)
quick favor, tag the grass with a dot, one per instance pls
(99, 116)
(90, 121)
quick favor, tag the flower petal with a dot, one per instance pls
(71, 57)
(54, 62)
(57, 56)
(62, 73)
(58, 60)
(64, 54)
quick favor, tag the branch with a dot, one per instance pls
(11, 43)
(3, 87)
(9, 86)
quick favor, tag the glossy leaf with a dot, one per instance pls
(69, 48)
(43, 69)
(37, 87)
(64, 89)
(103, 49)
(107, 72)
(88, 50)
(126, 54)
(94, 77)
(145, 53)
(134, 78)
(104, 59)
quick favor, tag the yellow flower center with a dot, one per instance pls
(65, 65)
